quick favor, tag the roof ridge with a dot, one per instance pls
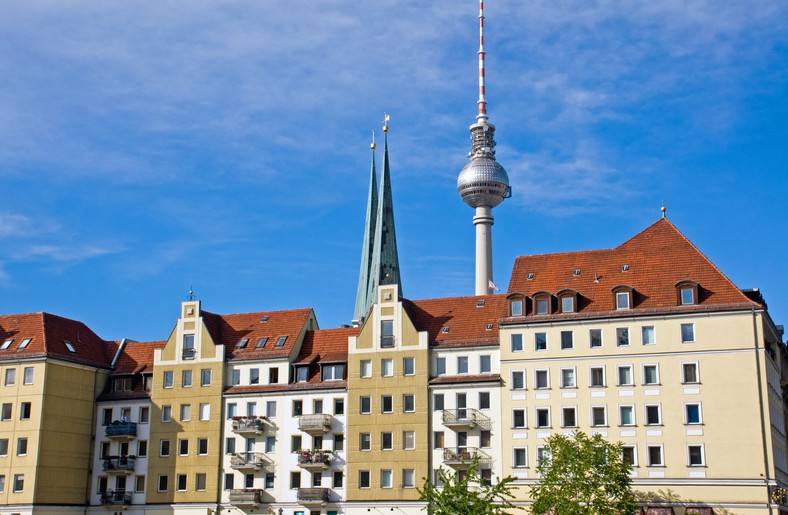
(293, 310)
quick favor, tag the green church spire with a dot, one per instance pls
(363, 302)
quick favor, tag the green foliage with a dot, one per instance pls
(583, 476)
(467, 496)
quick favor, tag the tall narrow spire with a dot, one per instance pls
(362, 300)
(483, 183)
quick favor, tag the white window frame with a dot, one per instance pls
(516, 342)
(625, 295)
(645, 414)
(618, 337)
(574, 378)
(643, 371)
(536, 419)
(618, 375)
(593, 409)
(387, 367)
(661, 455)
(512, 374)
(546, 341)
(684, 375)
(591, 339)
(546, 372)
(563, 416)
(525, 457)
(632, 411)
(525, 418)
(591, 376)
(634, 448)
(366, 368)
(700, 414)
(694, 336)
(702, 455)
(643, 332)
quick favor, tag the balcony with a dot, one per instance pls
(249, 425)
(316, 460)
(117, 465)
(462, 418)
(116, 497)
(461, 457)
(189, 353)
(313, 496)
(315, 424)
(118, 430)
(249, 461)
(247, 497)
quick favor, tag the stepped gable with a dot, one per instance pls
(230, 329)
(48, 334)
(466, 321)
(658, 259)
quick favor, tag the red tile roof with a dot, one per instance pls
(479, 378)
(137, 357)
(327, 345)
(658, 258)
(48, 335)
(466, 322)
(230, 329)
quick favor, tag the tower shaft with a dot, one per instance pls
(484, 275)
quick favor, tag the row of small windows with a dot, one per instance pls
(181, 482)
(463, 365)
(567, 338)
(185, 412)
(387, 367)
(260, 342)
(387, 404)
(121, 487)
(183, 447)
(597, 377)
(568, 301)
(168, 378)
(297, 408)
(655, 456)
(125, 415)
(7, 409)
(387, 479)
(22, 345)
(461, 401)
(328, 372)
(123, 450)
(28, 374)
(316, 481)
(21, 447)
(598, 416)
(386, 442)
(17, 486)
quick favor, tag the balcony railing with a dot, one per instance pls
(463, 456)
(315, 423)
(312, 496)
(121, 430)
(249, 461)
(248, 424)
(116, 497)
(466, 417)
(189, 353)
(314, 460)
(118, 464)
(247, 497)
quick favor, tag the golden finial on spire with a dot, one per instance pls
(664, 210)
(372, 145)
(386, 119)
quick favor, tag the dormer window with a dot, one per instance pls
(687, 293)
(24, 343)
(7, 344)
(301, 374)
(542, 306)
(242, 343)
(687, 296)
(568, 301)
(623, 300)
(542, 303)
(280, 342)
(261, 342)
(516, 307)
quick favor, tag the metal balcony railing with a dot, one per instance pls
(318, 458)
(315, 423)
(466, 417)
(189, 353)
(463, 456)
(249, 460)
(118, 429)
(116, 497)
(117, 464)
(248, 424)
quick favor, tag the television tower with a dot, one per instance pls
(483, 183)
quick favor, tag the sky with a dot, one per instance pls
(152, 147)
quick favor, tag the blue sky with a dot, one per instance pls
(152, 146)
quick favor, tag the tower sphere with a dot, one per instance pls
(483, 182)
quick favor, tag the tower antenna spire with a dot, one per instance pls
(482, 116)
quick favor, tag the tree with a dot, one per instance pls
(466, 494)
(582, 475)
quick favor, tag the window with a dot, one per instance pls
(7, 344)
(25, 410)
(205, 411)
(518, 380)
(10, 376)
(254, 376)
(687, 296)
(387, 333)
(695, 456)
(232, 409)
(363, 478)
(3, 446)
(104, 451)
(541, 379)
(6, 411)
(625, 375)
(408, 478)
(28, 375)
(333, 372)
(280, 342)
(650, 375)
(540, 341)
(364, 442)
(339, 442)
(462, 364)
(542, 306)
(229, 445)
(386, 441)
(144, 415)
(242, 343)
(166, 413)
(408, 440)
(597, 377)
(248, 480)
(167, 380)
(518, 418)
(437, 402)
(440, 366)
(302, 374)
(653, 417)
(655, 456)
(251, 409)
(270, 444)
(164, 448)
(205, 377)
(598, 416)
(692, 414)
(21, 446)
(338, 479)
(437, 440)
(199, 482)
(235, 377)
(689, 373)
(569, 416)
(68, 345)
(408, 403)
(139, 484)
(485, 364)
(628, 455)
(19, 482)
(595, 338)
(385, 479)
(622, 300)
(295, 443)
(485, 439)
(339, 406)
(261, 342)
(270, 409)
(186, 412)
(622, 336)
(408, 366)
(183, 447)
(519, 459)
(566, 340)
(687, 333)
(365, 405)
(317, 406)
(567, 304)
(568, 378)
(142, 448)
(517, 342)
(484, 400)
(298, 407)
(387, 367)
(516, 308)
(229, 481)
(626, 415)
(366, 368)
(186, 378)
(202, 446)
(106, 416)
(268, 480)
(386, 404)
(542, 417)
(648, 335)
(181, 482)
